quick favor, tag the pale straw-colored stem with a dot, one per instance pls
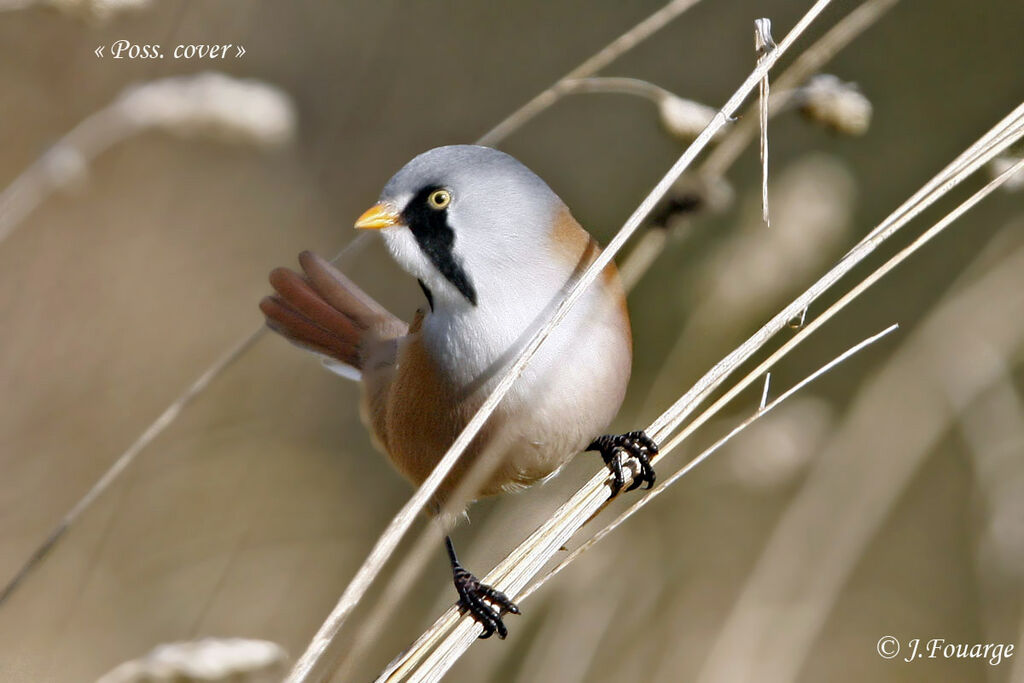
(763, 410)
(399, 526)
(786, 87)
(61, 164)
(627, 41)
(148, 436)
(955, 355)
(616, 85)
(763, 43)
(434, 666)
(784, 350)
(990, 145)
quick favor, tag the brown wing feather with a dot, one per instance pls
(325, 312)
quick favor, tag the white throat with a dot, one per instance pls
(473, 343)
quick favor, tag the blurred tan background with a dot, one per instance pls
(888, 498)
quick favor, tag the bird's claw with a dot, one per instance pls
(474, 597)
(634, 444)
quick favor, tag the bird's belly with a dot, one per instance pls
(568, 394)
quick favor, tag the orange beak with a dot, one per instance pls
(377, 217)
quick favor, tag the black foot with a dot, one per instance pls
(474, 597)
(635, 444)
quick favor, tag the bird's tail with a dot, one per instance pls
(323, 311)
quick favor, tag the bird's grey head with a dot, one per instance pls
(460, 217)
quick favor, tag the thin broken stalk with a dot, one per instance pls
(763, 44)
(787, 86)
(616, 86)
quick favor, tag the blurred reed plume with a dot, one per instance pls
(94, 12)
(839, 106)
(1001, 164)
(204, 661)
(211, 105)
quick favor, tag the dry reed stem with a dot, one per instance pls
(763, 409)
(681, 118)
(642, 256)
(859, 476)
(627, 41)
(575, 626)
(125, 459)
(615, 85)
(402, 521)
(433, 667)
(720, 159)
(763, 44)
(764, 391)
(716, 407)
(148, 436)
(210, 104)
(991, 144)
(450, 635)
(810, 61)
(843, 301)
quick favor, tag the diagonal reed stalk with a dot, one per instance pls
(810, 61)
(433, 667)
(148, 436)
(440, 646)
(306, 666)
(859, 289)
(721, 158)
(943, 371)
(100, 131)
(615, 49)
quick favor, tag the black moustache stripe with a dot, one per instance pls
(427, 293)
(436, 240)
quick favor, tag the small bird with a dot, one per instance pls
(494, 250)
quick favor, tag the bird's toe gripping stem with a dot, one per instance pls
(636, 445)
(472, 594)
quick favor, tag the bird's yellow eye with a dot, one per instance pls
(439, 199)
